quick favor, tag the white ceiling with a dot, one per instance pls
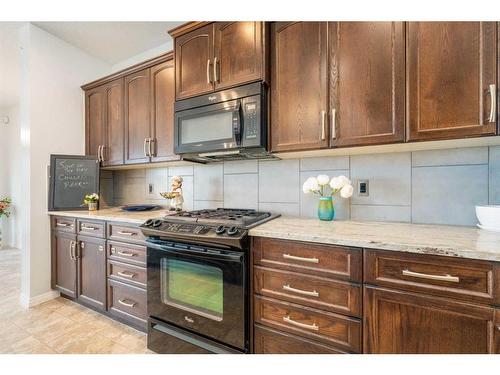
(9, 64)
(111, 41)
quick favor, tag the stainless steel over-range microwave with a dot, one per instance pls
(225, 125)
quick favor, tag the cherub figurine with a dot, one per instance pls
(175, 195)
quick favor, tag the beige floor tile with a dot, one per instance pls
(28, 345)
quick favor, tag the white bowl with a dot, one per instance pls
(488, 216)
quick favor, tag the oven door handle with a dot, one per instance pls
(231, 257)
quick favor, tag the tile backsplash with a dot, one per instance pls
(438, 186)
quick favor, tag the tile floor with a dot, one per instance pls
(57, 326)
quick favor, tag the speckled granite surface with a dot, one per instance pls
(466, 242)
(113, 214)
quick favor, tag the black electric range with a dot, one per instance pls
(198, 280)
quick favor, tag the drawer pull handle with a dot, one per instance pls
(299, 291)
(312, 327)
(128, 304)
(126, 233)
(301, 259)
(452, 279)
(129, 275)
(64, 225)
(126, 254)
(84, 227)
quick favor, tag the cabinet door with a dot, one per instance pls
(497, 332)
(162, 111)
(238, 54)
(95, 119)
(451, 66)
(367, 82)
(137, 117)
(299, 90)
(113, 148)
(194, 63)
(64, 263)
(92, 271)
(407, 323)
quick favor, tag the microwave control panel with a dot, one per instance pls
(251, 121)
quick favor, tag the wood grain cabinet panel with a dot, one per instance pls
(309, 258)
(125, 232)
(64, 263)
(127, 253)
(113, 152)
(91, 228)
(92, 271)
(270, 341)
(367, 82)
(407, 323)
(137, 116)
(162, 112)
(299, 89)
(238, 48)
(64, 224)
(128, 303)
(497, 333)
(332, 329)
(95, 120)
(194, 62)
(313, 291)
(466, 279)
(450, 67)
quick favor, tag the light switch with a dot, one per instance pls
(363, 188)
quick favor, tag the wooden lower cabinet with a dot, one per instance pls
(92, 271)
(271, 341)
(128, 303)
(497, 332)
(64, 264)
(408, 323)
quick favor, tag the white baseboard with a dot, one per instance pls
(27, 301)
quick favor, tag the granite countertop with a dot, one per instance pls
(113, 214)
(454, 241)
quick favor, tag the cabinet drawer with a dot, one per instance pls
(319, 292)
(125, 232)
(333, 329)
(127, 273)
(316, 259)
(91, 228)
(127, 302)
(127, 253)
(445, 276)
(270, 341)
(64, 224)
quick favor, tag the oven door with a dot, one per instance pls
(202, 290)
(213, 127)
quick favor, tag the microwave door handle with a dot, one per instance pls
(237, 130)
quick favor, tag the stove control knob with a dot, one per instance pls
(232, 231)
(220, 229)
(148, 222)
(156, 223)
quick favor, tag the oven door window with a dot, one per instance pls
(193, 287)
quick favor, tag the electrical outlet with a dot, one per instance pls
(151, 188)
(363, 188)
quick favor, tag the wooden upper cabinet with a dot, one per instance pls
(162, 111)
(299, 92)
(95, 119)
(238, 56)
(451, 66)
(367, 82)
(194, 62)
(137, 116)
(113, 147)
(407, 323)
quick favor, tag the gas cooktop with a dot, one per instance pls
(221, 226)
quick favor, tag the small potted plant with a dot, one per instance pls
(4, 212)
(326, 189)
(91, 200)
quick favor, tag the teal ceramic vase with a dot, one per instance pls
(325, 209)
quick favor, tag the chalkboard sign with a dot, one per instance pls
(71, 178)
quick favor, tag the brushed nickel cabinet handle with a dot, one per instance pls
(99, 153)
(71, 250)
(209, 81)
(85, 227)
(127, 274)
(128, 304)
(334, 123)
(145, 147)
(299, 291)
(216, 75)
(323, 125)
(63, 225)
(124, 233)
(126, 254)
(152, 147)
(100, 248)
(493, 98)
(452, 279)
(82, 244)
(312, 327)
(301, 259)
(103, 157)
